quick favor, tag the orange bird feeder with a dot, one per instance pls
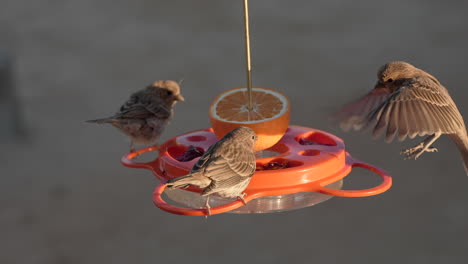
(311, 165)
(297, 166)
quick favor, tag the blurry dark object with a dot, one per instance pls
(191, 153)
(9, 107)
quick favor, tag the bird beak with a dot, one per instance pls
(179, 98)
(379, 85)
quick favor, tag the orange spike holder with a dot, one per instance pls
(307, 167)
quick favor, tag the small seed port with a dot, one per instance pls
(315, 138)
(278, 164)
(184, 153)
(310, 152)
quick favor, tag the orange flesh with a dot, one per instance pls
(233, 107)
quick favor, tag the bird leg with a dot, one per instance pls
(241, 197)
(423, 146)
(132, 147)
(207, 206)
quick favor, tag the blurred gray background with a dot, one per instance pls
(65, 197)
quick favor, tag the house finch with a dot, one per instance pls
(225, 168)
(144, 116)
(407, 101)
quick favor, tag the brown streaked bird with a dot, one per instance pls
(408, 102)
(146, 113)
(225, 169)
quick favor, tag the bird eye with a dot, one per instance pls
(169, 92)
(253, 137)
(390, 80)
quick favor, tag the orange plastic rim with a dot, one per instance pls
(228, 111)
(318, 162)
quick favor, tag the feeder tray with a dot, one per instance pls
(304, 168)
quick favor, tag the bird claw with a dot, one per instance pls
(417, 151)
(241, 197)
(432, 149)
(412, 150)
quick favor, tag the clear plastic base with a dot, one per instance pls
(268, 204)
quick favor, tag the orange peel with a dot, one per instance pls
(269, 117)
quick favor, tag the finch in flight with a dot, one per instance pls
(408, 102)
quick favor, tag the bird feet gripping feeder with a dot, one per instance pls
(296, 166)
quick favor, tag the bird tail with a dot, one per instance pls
(461, 140)
(101, 120)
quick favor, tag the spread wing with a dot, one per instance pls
(354, 115)
(418, 107)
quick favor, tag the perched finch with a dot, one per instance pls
(225, 168)
(407, 102)
(144, 116)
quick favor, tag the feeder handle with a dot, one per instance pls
(160, 203)
(384, 186)
(127, 160)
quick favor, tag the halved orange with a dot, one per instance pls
(269, 117)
